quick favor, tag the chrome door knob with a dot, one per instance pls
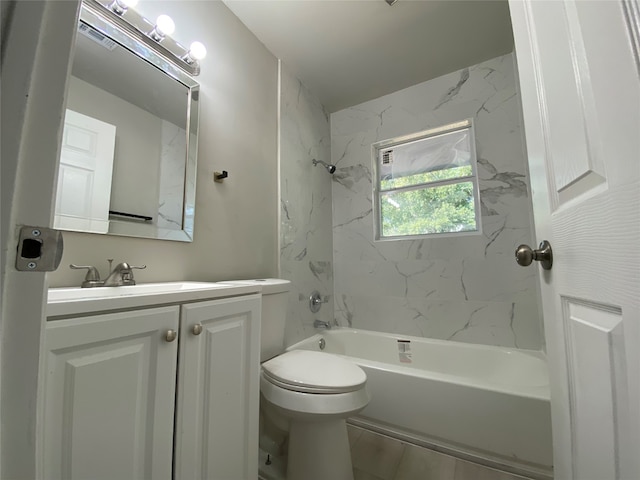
(197, 329)
(525, 255)
(171, 335)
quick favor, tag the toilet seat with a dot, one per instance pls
(314, 372)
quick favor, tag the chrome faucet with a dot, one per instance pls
(121, 275)
(320, 324)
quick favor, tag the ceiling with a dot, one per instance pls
(347, 52)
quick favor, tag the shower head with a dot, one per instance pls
(330, 168)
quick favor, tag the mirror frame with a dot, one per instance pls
(101, 18)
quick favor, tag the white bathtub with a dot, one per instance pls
(487, 403)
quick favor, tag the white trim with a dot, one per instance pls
(36, 60)
(279, 168)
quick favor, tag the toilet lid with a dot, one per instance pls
(314, 372)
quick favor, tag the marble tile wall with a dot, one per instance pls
(171, 191)
(305, 206)
(466, 289)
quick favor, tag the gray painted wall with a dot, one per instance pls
(236, 221)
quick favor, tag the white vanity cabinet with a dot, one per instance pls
(218, 391)
(121, 399)
(109, 395)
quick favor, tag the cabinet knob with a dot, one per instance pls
(197, 329)
(171, 335)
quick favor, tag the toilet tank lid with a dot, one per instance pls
(268, 285)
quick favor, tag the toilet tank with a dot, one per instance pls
(275, 295)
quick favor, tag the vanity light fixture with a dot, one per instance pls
(157, 38)
(197, 51)
(164, 26)
(121, 6)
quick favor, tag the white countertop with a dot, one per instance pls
(73, 301)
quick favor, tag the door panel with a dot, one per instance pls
(92, 404)
(564, 83)
(227, 360)
(597, 386)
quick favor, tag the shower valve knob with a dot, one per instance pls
(316, 301)
(544, 254)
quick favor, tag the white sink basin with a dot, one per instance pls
(73, 300)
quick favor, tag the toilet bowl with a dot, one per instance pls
(311, 394)
(316, 392)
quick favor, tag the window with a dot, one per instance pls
(426, 183)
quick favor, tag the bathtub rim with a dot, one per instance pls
(540, 392)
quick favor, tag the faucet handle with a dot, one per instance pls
(92, 279)
(127, 276)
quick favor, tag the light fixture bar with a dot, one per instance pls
(135, 27)
(120, 7)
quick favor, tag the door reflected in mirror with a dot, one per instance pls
(128, 157)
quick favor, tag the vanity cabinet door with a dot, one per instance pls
(218, 390)
(109, 390)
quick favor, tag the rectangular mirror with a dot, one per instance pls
(128, 157)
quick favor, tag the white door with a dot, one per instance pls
(109, 390)
(579, 75)
(37, 41)
(218, 390)
(84, 178)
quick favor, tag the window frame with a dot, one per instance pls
(378, 147)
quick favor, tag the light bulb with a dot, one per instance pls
(197, 51)
(121, 6)
(164, 25)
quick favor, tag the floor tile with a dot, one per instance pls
(377, 455)
(423, 464)
(471, 471)
(275, 470)
(360, 475)
(354, 434)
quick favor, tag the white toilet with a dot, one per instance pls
(314, 391)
